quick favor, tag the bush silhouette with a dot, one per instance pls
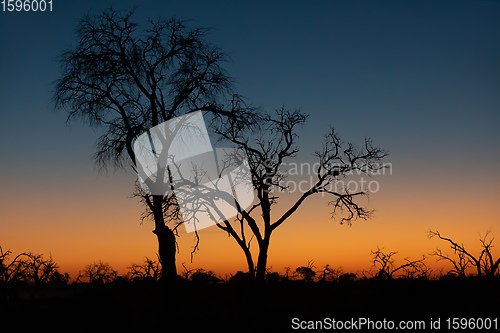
(204, 277)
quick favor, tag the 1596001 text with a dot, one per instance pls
(26, 5)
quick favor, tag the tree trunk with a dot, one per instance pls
(166, 242)
(248, 256)
(262, 259)
(478, 266)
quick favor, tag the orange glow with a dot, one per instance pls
(96, 220)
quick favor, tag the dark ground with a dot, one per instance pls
(143, 306)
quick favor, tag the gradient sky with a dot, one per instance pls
(421, 78)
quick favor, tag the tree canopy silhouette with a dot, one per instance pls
(98, 272)
(29, 267)
(126, 79)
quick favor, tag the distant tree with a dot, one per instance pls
(483, 263)
(13, 270)
(306, 273)
(148, 270)
(387, 268)
(126, 80)
(97, 272)
(330, 274)
(41, 271)
(289, 274)
(29, 267)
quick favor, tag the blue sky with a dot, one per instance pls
(421, 78)
(426, 73)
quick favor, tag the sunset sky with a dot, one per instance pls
(421, 78)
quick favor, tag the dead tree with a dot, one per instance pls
(148, 270)
(29, 267)
(484, 264)
(13, 271)
(387, 268)
(269, 151)
(330, 274)
(40, 271)
(489, 266)
(97, 272)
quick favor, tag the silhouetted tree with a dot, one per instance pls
(12, 271)
(98, 272)
(29, 267)
(40, 270)
(484, 264)
(288, 273)
(387, 267)
(149, 269)
(269, 152)
(126, 80)
(307, 273)
(330, 274)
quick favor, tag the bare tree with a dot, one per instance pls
(29, 267)
(268, 151)
(126, 80)
(14, 270)
(488, 265)
(40, 270)
(330, 274)
(388, 269)
(149, 269)
(484, 264)
(97, 272)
